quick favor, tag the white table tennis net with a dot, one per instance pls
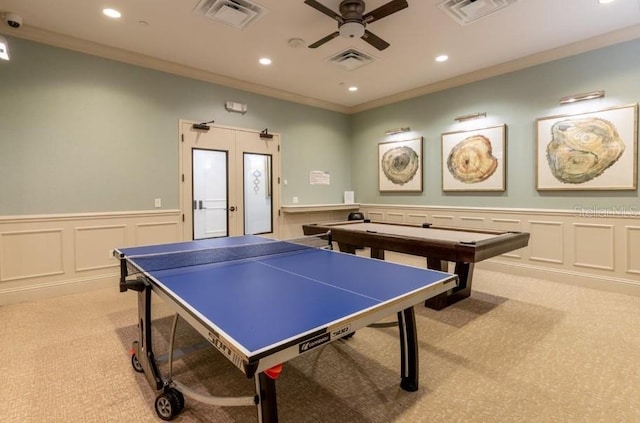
(179, 259)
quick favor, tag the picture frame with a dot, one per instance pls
(475, 160)
(400, 166)
(594, 150)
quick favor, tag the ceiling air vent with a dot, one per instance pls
(351, 59)
(467, 11)
(236, 13)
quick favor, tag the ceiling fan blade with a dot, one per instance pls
(324, 40)
(374, 40)
(385, 10)
(324, 9)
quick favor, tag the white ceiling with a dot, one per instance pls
(525, 33)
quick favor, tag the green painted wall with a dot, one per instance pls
(80, 133)
(517, 100)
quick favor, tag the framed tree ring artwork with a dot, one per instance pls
(588, 151)
(400, 166)
(474, 160)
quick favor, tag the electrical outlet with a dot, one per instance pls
(158, 202)
(295, 200)
(111, 252)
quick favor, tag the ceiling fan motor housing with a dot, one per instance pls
(353, 25)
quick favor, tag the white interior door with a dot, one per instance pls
(257, 193)
(208, 192)
(210, 181)
(258, 164)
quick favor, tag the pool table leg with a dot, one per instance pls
(376, 253)
(465, 276)
(347, 248)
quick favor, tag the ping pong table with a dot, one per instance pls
(261, 302)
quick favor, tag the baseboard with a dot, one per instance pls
(55, 289)
(585, 280)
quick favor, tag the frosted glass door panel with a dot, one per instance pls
(257, 194)
(209, 194)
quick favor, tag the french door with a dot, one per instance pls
(229, 180)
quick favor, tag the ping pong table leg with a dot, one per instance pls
(408, 350)
(266, 390)
(144, 346)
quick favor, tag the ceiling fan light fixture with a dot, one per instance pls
(352, 30)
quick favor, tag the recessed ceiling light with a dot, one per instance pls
(112, 13)
(265, 61)
(605, 1)
(353, 88)
(442, 58)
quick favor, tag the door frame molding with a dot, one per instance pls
(276, 171)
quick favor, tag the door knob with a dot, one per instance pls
(232, 208)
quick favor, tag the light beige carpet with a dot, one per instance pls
(518, 350)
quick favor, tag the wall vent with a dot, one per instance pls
(350, 59)
(236, 13)
(467, 11)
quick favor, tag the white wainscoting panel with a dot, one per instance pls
(513, 225)
(417, 219)
(472, 222)
(157, 233)
(546, 242)
(632, 244)
(31, 254)
(94, 246)
(442, 220)
(508, 225)
(593, 246)
(395, 218)
(376, 216)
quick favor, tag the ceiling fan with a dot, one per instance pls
(352, 21)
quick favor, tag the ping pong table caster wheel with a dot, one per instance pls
(168, 405)
(136, 364)
(177, 395)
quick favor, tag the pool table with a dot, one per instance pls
(440, 245)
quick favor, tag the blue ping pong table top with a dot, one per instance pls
(263, 302)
